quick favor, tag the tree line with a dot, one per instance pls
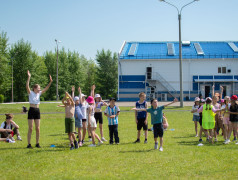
(73, 69)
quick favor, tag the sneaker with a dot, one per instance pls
(71, 148)
(111, 144)
(234, 139)
(92, 145)
(161, 149)
(103, 139)
(80, 144)
(215, 140)
(137, 141)
(200, 140)
(145, 142)
(29, 146)
(237, 143)
(76, 146)
(90, 139)
(196, 136)
(100, 142)
(227, 141)
(117, 143)
(38, 145)
(19, 138)
(10, 141)
(156, 146)
(200, 144)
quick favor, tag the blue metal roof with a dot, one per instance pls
(159, 50)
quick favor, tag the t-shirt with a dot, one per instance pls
(84, 107)
(156, 114)
(195, 108)
(234, 117)
(141, 114)
(34, 98)
(98, 105)
(10, 126)
(224, 106)
(78, 113)
(112, 111)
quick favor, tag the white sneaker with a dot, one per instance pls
(10, 141)
(19, 138)
(161, 149)
(200, 144)
(156, 146)
(103, 139)
(100, 142)
(227, 141)
(196, 136)
(215, 140)
(92, 145)
(90, 139)
(237, 143)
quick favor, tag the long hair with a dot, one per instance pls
(34, 86)
(208, 102)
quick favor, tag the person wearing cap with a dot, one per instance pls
(226, 119)
(92, 122)
(98, 113)
(69, 120)
(208, 118)
(11, 125)
(234, 116)
(196, 114)
(34, 111)
(112, 112)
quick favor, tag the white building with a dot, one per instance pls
(153, 68)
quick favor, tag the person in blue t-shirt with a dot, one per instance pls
(157, 120)
(141, 117)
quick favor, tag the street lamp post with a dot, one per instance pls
(180, 47)
(57, 93)
(12, 81)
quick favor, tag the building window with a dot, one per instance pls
(222, 70)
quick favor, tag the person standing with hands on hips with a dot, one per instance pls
(34, 111)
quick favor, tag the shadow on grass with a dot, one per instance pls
(195, 143)
(137, 151)
(56, 134)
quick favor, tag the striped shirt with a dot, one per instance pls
(112, 111)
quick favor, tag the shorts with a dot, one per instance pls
(98, 117)
(34, 113)
(226, 120)
(158, 130)
(219, 122)
(69, 125)
(78, 123)
(141, 123)
(92, 122)
(196, 118)
(84, 120)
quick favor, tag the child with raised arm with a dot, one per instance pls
(157, 120)
(34, 111)
(112, 111)
(69, 119)
(141, 117)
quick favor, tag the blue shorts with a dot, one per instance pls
(196, 118)
(78, 123)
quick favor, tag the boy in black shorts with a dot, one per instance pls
(141, 117)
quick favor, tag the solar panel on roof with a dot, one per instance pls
(233, 46)
(132, 49)
(198, 49)
(170, 47)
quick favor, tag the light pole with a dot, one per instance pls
(57, 93)
(12, 81)
(180, 47)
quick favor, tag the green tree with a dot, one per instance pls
(106, 73)
(5, 67)
(91, 76)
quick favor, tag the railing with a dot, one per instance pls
(165, 56)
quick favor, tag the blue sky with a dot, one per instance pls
(90, 25)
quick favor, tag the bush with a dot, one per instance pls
(42, 98)
(1, 98)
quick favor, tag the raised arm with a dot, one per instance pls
(71, 99)
(47, 87)
(80, 95)
(73, 89)
(221, 91)
(213, 90)
(92, 90)
(63, 100)
(174, 101)
(28, 81)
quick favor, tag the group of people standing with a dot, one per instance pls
(215, 114)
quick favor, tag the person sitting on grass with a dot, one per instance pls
(10, 124)
(69, 119)
(9, 137)
(157, 120)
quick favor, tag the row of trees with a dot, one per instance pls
(73, 69)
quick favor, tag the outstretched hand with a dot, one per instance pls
(133, 108)
(28, 73)
(73, 88)
(93, 87)
(175, 100)
(51, 80)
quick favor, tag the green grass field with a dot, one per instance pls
(181, 158)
